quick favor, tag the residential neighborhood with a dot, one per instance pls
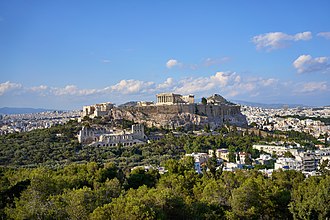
(276, 157)
(290, 119)
(13, 123)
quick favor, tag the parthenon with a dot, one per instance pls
(171, 98)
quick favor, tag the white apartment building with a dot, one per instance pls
(220, 153)
(279, 150)
(287, 164)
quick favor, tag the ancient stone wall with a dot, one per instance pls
(199, 109)
(182, 115)
(166, 109)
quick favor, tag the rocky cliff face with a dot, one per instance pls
(173, 116)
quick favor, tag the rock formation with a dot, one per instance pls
(217, 112)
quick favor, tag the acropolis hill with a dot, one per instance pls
(172, 111)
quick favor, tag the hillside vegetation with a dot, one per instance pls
(47, 174)
(92, 191)
(58, 146)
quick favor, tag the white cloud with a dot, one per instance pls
(229, 84)
(41, 90)
(222, 78)
(276, 40)
(218, 81)
(67, 90)
(8, 86)
(308, 64)
(190, 85)
(314, 87)
(251, 86)
(215, 61)
(268, 82)
(105, 61)
(38, 88)
(172, 63)
(203, 63)
(248, 86)
(237, 79)
(326, 35)
(132, 86)
(301, 36)
(167, 84)
(73, 90)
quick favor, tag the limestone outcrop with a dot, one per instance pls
(173, 116)
(172, 111)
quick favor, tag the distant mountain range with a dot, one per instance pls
(9, 110)
(263, 105)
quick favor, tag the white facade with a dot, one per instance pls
(101, 137)
(232, 166)
(220, 153)
(264, 159)
(279, 150)
(199, 157)
(305, 162)
(287, 164)
(97, 110)
(88, 135)
(171, 98)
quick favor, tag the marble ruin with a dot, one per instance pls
(97, 110)
(171, 99)
(102, 137)
(172, 111)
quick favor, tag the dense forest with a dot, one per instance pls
(92, 191)
(47, 174)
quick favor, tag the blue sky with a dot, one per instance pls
(66, 54)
